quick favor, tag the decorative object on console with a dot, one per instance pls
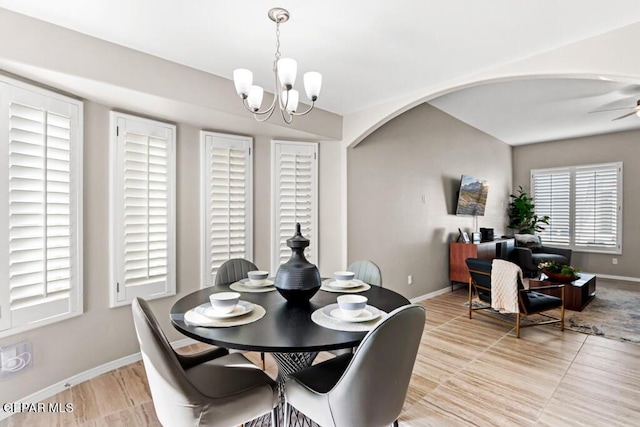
(559, 272)
(487, 234)
(297, 280)
(285, 70)
(476, 236)
(464, 237)
(522, 215)
(472, 197)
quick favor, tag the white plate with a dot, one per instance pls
(334, 312)
(243, 307)
(248, 284)
(352, 284)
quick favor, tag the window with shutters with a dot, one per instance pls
(227, 199)
(294, 169)
(41, 182)
(142, 209)
(584, 204)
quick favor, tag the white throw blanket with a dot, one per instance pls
(504, 286)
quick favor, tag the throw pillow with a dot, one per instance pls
(530, 241)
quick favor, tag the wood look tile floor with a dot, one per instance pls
(467, 373)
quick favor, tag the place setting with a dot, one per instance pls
(350, 313)
(257, 281)
(224, 309)
(344, 282)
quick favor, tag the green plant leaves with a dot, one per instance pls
(522, 216)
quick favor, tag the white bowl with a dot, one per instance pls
(352, 305)
(343, 277)
(224, 302)
(257, 277)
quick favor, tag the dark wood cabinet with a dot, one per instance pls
(459, 252)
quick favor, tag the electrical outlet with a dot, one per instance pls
(410, 280)
(614, 261)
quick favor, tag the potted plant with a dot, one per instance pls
(559, 272)
(522, 216)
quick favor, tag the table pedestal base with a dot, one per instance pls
(288, 363)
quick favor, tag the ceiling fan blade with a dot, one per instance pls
(626, 115)
(613, 109)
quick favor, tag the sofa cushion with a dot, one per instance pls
(530, 241)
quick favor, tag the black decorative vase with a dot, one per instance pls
(297, 280)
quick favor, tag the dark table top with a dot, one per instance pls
(284, 328)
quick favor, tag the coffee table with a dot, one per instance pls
(577, 294)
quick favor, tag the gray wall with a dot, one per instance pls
(622, 146)
(421, 153)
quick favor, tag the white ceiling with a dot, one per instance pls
(527, 111)
(371, 51)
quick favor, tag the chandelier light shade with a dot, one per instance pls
(285, 71)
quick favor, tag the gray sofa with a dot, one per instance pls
(529, 260)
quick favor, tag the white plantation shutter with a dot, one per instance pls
(227, 217)
(295, 196)
(42, 243)
(552, 197)
(597, 194)
(142, 208)
(584, 204)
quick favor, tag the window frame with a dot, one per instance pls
(208, 279)
(76, 291)
(116, 227)
(572, 204)
(314, 244)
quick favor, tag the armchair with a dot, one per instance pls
(528, 258)
(528, 300)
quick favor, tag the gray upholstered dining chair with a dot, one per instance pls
(367, 271)
(225, 390)
(367, 388)
(231, 271)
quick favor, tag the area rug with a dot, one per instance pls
(614, 313)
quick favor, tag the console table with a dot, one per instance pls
(459, 252)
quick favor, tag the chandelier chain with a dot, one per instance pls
(275, 62)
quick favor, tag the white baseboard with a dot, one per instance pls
(60, 386)
(621, 278)
(430, 295)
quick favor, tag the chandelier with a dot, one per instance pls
(284, 70)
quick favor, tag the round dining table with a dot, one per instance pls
(286, 331)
